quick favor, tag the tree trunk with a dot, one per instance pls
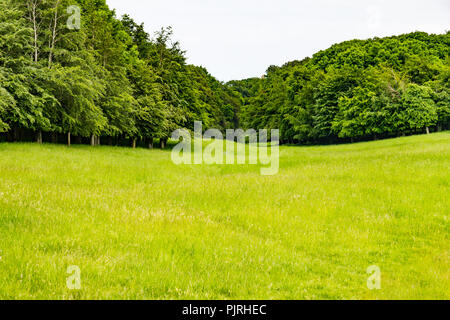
(54, 35)
(162, 143)
(428, 130)
(98, 140)
(150, 143)
(15, 134)
(33, 16)
(92, 140)
(39, 137)
(68, 138)
(134, 143)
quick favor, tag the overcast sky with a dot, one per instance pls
(237, 39)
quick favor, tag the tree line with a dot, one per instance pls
(355, 90)
(110, 82)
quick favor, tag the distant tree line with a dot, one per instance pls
(110, 82)
(355, 90)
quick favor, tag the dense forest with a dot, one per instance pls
(355, 90)
(110, 82)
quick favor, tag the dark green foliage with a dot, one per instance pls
(113, 80)
(109, 79)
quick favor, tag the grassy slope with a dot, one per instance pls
(140, 227)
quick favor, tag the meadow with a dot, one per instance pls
(140, 227)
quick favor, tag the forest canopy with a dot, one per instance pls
(354, 90)
(109, 79)
(112, 82)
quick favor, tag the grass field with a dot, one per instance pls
(140, 227)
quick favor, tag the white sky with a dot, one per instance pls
(237, 39)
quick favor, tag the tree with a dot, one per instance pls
(421, 111)
(441, 96)
(7, 102)
(77, 94)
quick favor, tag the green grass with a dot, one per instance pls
(140, 227)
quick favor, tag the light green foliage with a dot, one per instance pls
(419, 106)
